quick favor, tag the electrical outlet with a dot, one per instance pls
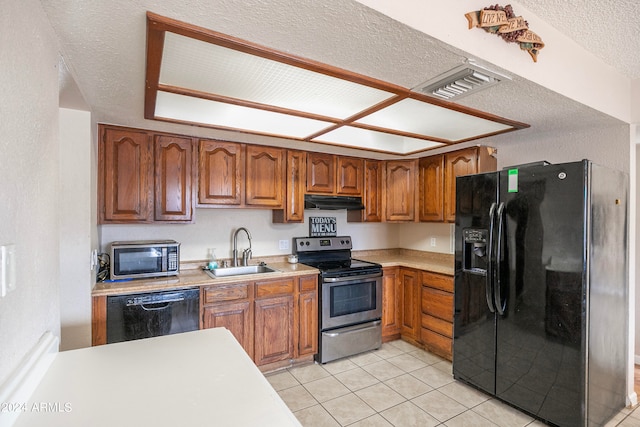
(433, 241)
(7, 269)
(283, 245)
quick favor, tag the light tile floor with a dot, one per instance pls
(397, 385)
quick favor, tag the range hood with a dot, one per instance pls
(332, 202)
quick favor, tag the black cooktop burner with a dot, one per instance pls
(347, 265)
(332, 256)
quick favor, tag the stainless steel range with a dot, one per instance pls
(350, 297)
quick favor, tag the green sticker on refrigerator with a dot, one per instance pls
(513, 181)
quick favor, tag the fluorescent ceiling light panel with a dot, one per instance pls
(350, 136)
(413, 116)
(219, 114)
(209, 68)
(200, 77)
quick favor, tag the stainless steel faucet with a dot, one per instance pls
(246, 254)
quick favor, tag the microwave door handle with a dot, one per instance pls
(489, 273)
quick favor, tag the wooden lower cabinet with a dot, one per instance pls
(273, 329)
(274, 320)
(391, 304)
(307, 316)
(425, 303)
(236, 317)
(410, 285)
(437, 314)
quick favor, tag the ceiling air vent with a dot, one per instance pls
(461, 81)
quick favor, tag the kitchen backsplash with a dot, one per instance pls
(214, 229)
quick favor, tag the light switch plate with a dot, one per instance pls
(7, 269)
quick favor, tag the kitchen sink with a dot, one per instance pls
(239, 271)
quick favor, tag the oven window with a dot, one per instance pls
(352, 298)
(145, 260)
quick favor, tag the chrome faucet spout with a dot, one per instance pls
(247, 252)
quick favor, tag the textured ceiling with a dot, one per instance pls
(103, 44)
(610, 30)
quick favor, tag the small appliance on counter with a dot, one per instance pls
(144, 259)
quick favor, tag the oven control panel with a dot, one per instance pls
(323, 243)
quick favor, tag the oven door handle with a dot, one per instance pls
(371, 325)
(350, 278)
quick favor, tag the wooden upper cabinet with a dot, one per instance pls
(293, 207)
(221, 173)
(349, 176)
(431, 188)
(264, 176)
(174, 159)
(126, 177)
(463, 162)
(144, 176)
(371, 194)
(400, 190)
(320, 173)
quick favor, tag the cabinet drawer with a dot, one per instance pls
(437, 325)
(276, 287)
(225, 293)
(437, 343)
(308, 283)
(438, 281)
(437, 303)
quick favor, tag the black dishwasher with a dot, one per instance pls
(136, 316)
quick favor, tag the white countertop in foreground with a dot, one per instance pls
(191, 379)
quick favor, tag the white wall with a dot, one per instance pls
(214, 227)
(29, 177)
(76, 227)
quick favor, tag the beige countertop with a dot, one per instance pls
(191, 274)
(420, 260)
(194, 378)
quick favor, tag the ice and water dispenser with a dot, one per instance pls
(475, 250)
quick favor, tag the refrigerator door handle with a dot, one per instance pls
(489, 274)
(499, 305)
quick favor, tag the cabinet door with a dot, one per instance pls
(431, 182)
(400, 190)
(320, 173)
(126, 175)
(349, 176)
(220, 173)
(457, 163)
(373, 191)
(264, 176)
(308, 328)
(293, 209)
(307, 315)
(173, 174)
(273, 329)
(391, 303)
(411, 303)
(236, 317)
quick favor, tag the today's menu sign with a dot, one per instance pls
(323, 226)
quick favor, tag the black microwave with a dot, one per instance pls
(144, 258)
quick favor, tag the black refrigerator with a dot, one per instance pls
(541, 293)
